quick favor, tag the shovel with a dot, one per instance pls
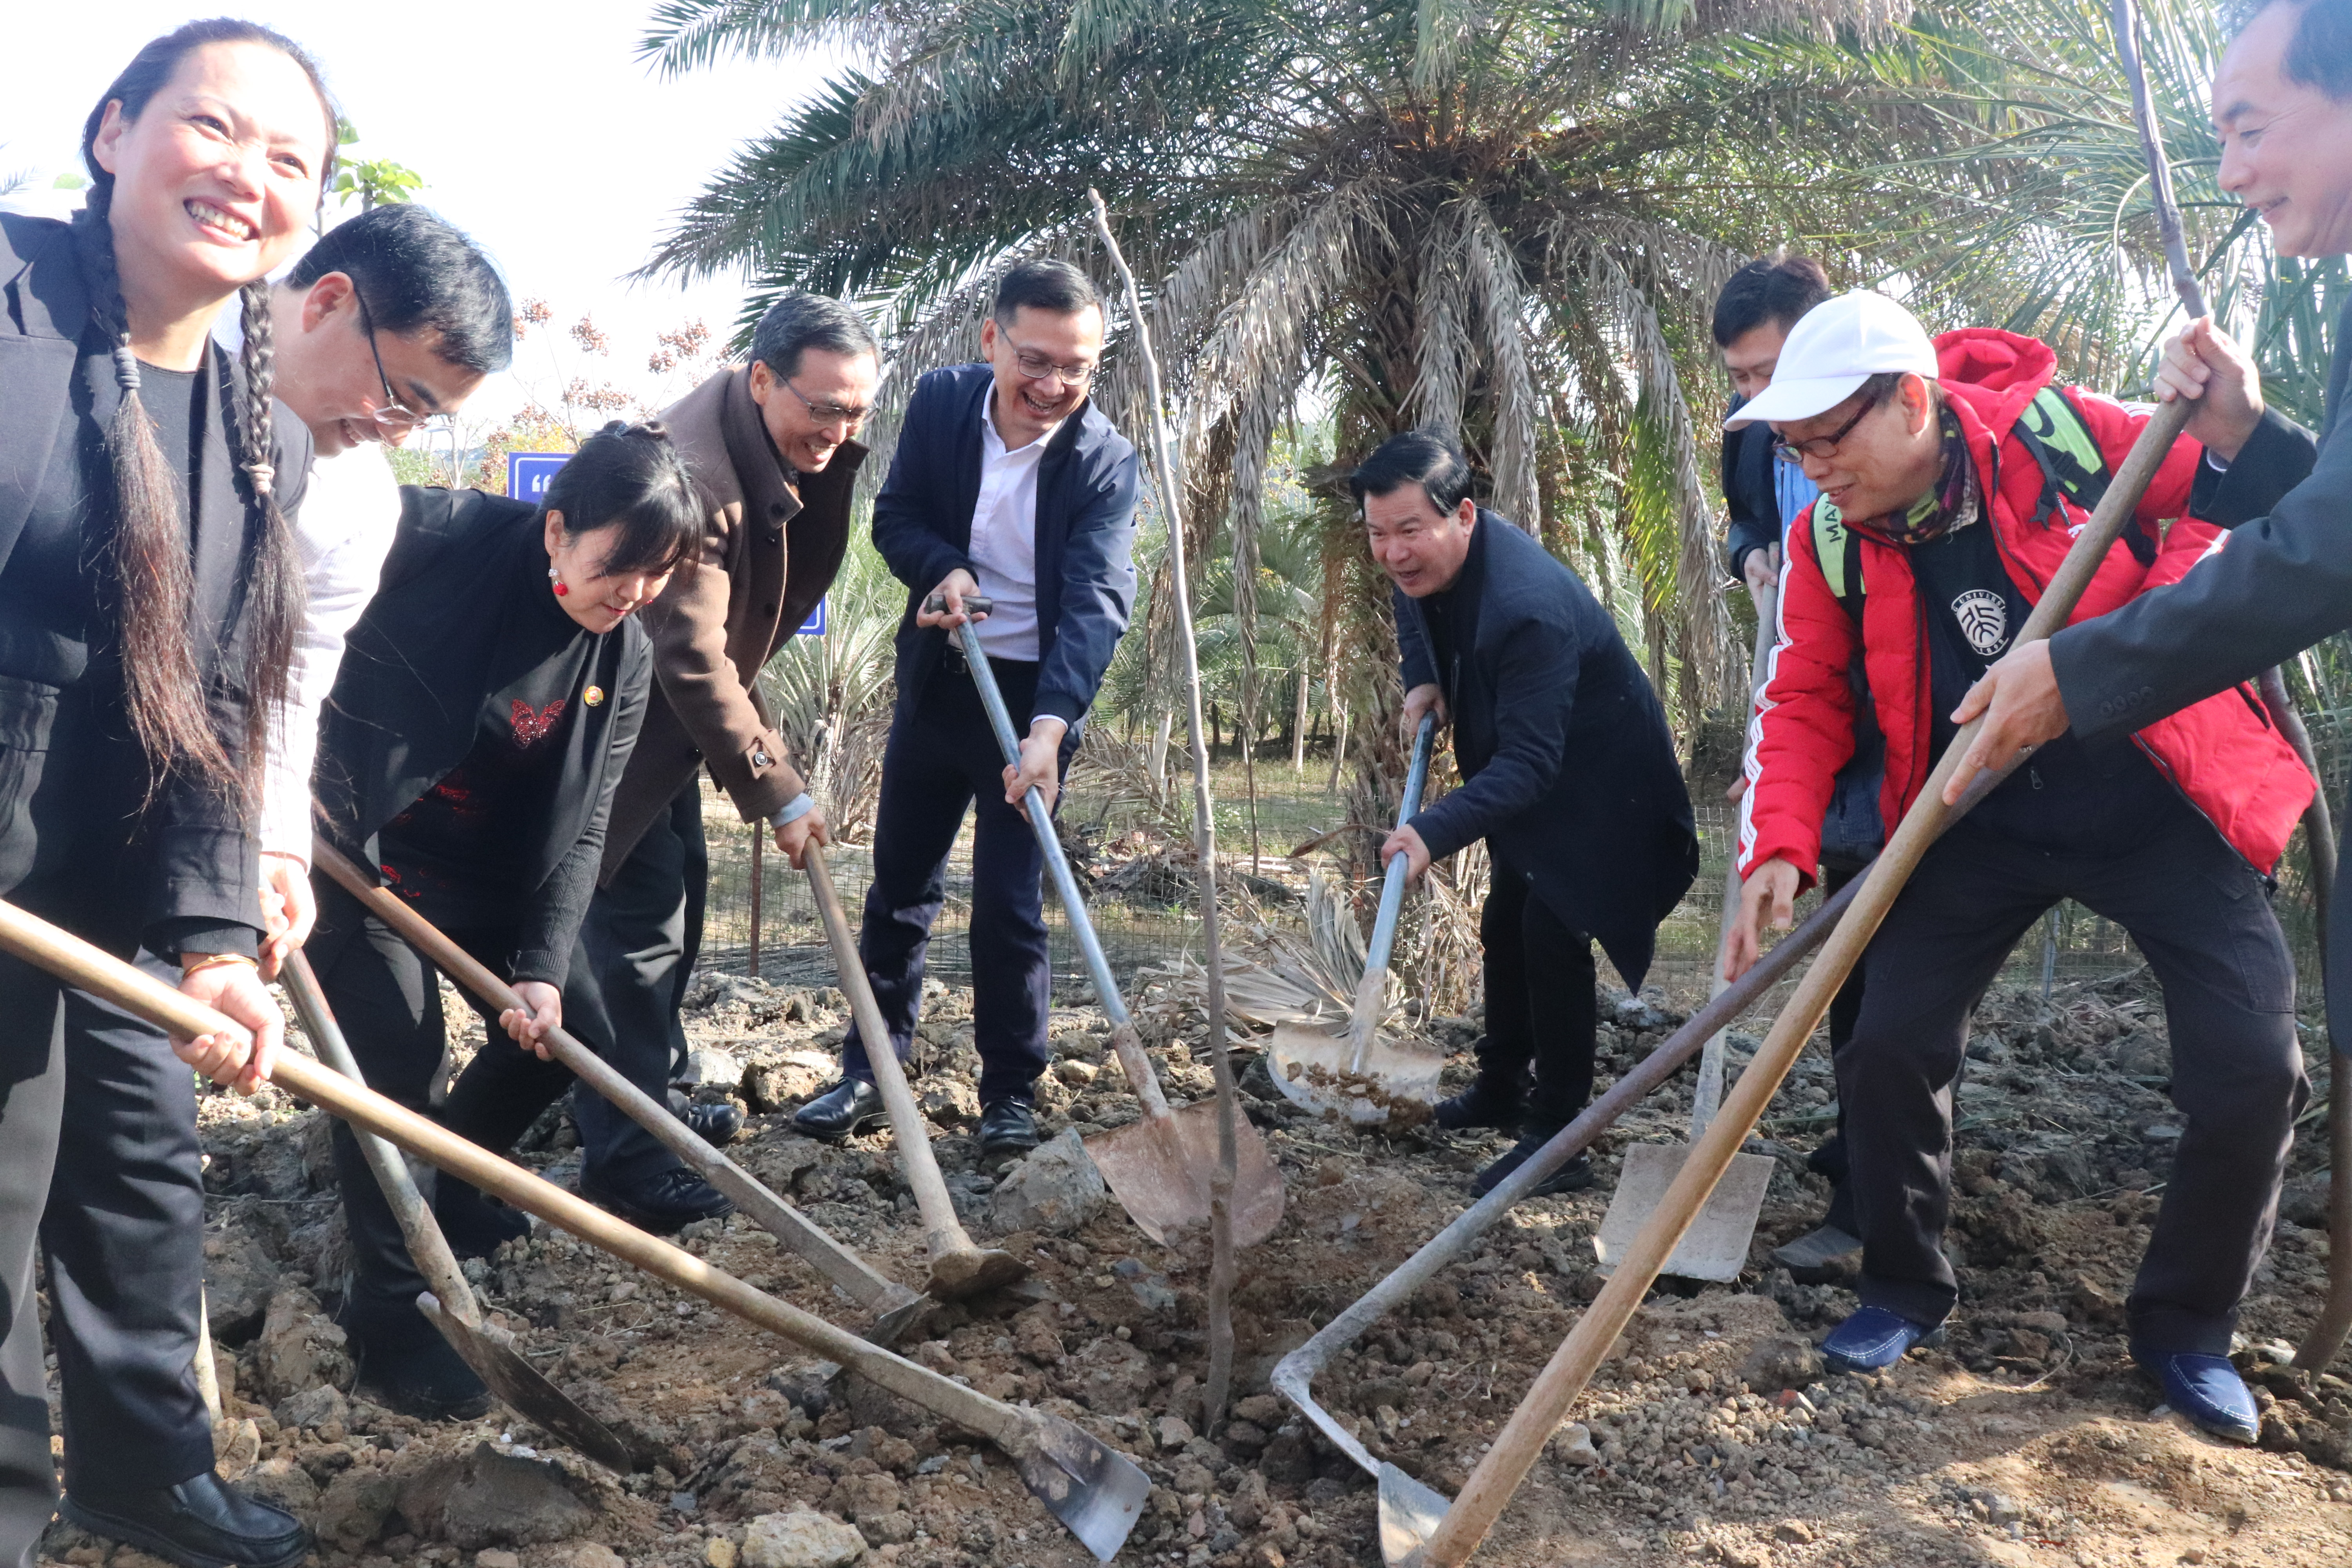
(1357, 1075)
(1095, 1490)
(1716, 1246)
(449, 1305)
(1160, 1168)
(895, 1306)
(959, 1269)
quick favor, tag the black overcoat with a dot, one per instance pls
(194, 872)
(1568, 767)
(439, 639)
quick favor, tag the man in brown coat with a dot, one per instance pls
(770, 448)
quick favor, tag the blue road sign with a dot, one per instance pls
(814, 626)
(527, 473)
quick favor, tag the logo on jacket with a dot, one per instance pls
(1984, 620)
(530, 727)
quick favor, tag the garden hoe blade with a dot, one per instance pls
(1715, 1248)
(1088, 1485)
(521, 1386)
(1409, 1514)
(1356, 1074)
(1158, 1168)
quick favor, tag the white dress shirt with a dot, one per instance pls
(1004, 547)
(342, 533)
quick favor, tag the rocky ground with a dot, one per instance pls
(1710, 1436)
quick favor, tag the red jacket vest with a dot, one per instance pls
(2222, 753)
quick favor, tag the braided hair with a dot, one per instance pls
(154, 578)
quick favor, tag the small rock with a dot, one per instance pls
(1266, 1409)
(490, 1497)
(706, 1066)
(1173, 1432)
(235, 1445)
(239, 1280)
(809, 1386)
(1053, 1190)
(1075, 1073)
(947, 1101)
(1778, 1363)
(1741, 1553)
(720, 1554)
(788, 1080)
(893, 1529)
(283, 1482)
(587, 1554)
(1573, 1445)
(313, 1408)
(300, 1347)
(355, 1507)
(801, 1539)
(494, 1558)
(1795, 1530)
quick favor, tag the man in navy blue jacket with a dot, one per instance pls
(1010, 485)
(1569, 775)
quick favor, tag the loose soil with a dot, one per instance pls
(1708, 1436)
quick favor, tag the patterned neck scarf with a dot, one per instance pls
(1951, 505)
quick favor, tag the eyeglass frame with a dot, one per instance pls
(1077, 377)
(854, 418)
(1794, 453)
(404, 419)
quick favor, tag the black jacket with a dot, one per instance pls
(2283, 582)
(1086, 527)
(439, 638)
(1569, 766)
(193, 870)
(1749, 491)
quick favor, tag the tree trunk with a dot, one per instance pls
(1298, 720)
(1159, 753)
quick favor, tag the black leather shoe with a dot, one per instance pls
(475, 1223)
(202, 1522)
(716, 1124)
(665, 1203)
(406, 1366)
(848, 1107)
(1572, 1177)
(1007, 1127)
(1485, 1103)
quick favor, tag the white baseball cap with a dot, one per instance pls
(1834, 348)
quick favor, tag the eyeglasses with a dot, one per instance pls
(1037, 367)
(1823, 446)
(825, 414)
(395, 417)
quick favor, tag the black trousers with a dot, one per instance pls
(388, 1001)
(942, 760)
(1541, 1009)
(122, 1240)
(2202, 918)
(629, 970)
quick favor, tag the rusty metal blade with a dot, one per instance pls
(1158, 1169)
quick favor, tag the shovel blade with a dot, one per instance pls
(1409, 1512)
(1093, 1489)
(1715, 1248)
(1158, 1169)
(523, 1388)
(1311, 1068)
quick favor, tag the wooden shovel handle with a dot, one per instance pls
(943, 1233)
(844, 1267)
(91, 969)
(1506, 1465)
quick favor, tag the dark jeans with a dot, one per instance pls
(1541, 1010)
(2202, 919)
(629, 970)
(388, 1002)
(123, 1241)
(942, 760)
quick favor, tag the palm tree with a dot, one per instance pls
(1504, 220)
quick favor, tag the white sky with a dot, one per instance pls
(536, 128)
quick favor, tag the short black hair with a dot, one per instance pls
(1045, 284)
(1414, 457)
(415, 271)
(2319, 56)
(1777, 288)
(630, 477)
(797, 323)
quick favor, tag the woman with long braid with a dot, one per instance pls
(149, 594)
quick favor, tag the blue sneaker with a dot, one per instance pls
(2207, 1390)
(1875, 1339)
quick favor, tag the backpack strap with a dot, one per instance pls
(1839, 549)
(2072, 464)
